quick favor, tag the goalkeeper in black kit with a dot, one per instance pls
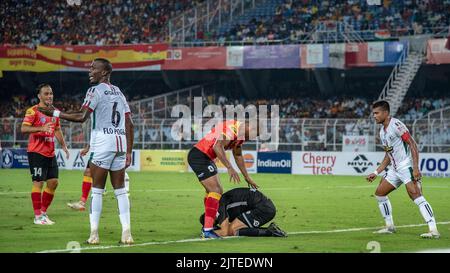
(242, 212)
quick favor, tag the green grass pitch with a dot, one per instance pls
(165, 208)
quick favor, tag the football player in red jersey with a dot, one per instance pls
(228, 135)
(41, 153)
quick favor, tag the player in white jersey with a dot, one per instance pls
(403, 157)
(111, 143)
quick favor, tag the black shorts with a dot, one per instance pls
(42, 168)
(201, 164)
(261, 215)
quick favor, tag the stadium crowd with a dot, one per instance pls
(293, 19)
(340, 107)
(352, 112)
(142, 21)
(99, 22)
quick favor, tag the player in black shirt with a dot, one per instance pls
(242, 212)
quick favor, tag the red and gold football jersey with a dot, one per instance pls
(228, 130)
(42, 143)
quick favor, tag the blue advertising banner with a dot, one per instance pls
(273, 162)
(14, 158)
(277, 56)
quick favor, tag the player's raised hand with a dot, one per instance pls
(47, 128)
(233, 175)
(251, 183)
(371, 177)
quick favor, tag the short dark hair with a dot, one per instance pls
(40, 86)
(383, 104)
(106, 64)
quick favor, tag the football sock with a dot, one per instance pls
(127, 182)
(86, 188)
(426, 211)
(47, 198)
(124, 207)
(204, 199)
(36, 200)
(211, 207)
(96, 207)
(254, 232)
(386, 209)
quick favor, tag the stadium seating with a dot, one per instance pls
(290, 107)
(93, 22)
(290, 20)
(141, 21)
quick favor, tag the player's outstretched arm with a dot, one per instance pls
(129, 131)
(79, 116)
(386, 161)
(220, 152)
(237, 154)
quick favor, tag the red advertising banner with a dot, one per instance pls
(356, 55)
(196, 58)
(437, 52)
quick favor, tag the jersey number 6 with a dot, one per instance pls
(115, 116)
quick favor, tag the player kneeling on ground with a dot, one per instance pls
(242, 212)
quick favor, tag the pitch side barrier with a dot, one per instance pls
(310, 162)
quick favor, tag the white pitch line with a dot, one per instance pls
(358, 229)
(200, 190)
(199, 240)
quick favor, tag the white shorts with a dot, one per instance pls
(397, 178)
(112, 161)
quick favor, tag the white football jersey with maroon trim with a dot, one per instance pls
(394, 145)
(108, 106)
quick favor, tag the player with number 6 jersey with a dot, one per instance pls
(111, 144)
(109, 107)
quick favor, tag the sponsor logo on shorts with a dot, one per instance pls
(255, 223)
(98, 163)
(201, 175)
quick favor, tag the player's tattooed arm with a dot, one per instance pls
(78, 116)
